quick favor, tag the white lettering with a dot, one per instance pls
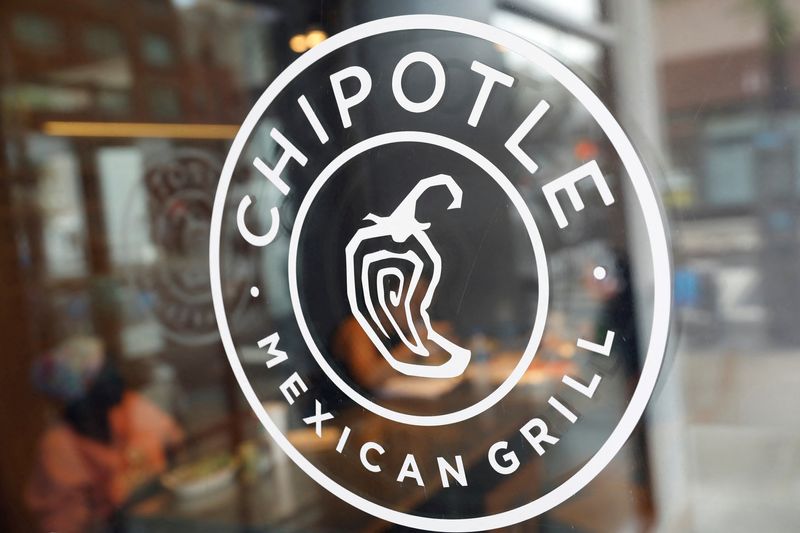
(292, 387)
(458, 473)
(271, 342)
(490, 77)
(512, 144)
(290, 151)
(562, 409)
(318, 418)
(510, 458)
(343, 439)
(249, 236)
(346, 103)
(438, 82)
(313, 119)
(537, 440)
(605, 349)
(367, 447)
(580, 387)
(410, 469)
(567, 183)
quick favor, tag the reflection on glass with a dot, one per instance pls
(98, 95)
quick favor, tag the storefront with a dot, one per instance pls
(121, 161)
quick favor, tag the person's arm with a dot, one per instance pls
(58, 491)
(153, 419)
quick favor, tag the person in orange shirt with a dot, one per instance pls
(106, 442)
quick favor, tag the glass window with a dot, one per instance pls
(164, 103)
(157, 51)
(117, 118)
(61, 201)
(116, 103)
(584, 11)
(577, 52)
(36, 32)
(103, 41)
(729, 174)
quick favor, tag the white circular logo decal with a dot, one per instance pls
(392, 201)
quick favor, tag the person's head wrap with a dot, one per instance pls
(68, 371)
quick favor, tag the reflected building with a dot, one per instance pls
(728, 90)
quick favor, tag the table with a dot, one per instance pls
(286, 499)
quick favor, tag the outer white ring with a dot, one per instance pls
(653, 223)
(538, 250)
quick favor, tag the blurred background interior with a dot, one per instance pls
(101, 238)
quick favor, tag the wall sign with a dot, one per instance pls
(388, 206)
(173, 205)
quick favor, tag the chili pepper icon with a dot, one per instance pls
(402, 226)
